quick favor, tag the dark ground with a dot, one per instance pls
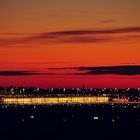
(70, 122)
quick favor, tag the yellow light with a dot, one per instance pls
(55, 100)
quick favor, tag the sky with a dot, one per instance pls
(65, 43)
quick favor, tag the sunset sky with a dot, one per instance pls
(65, 43)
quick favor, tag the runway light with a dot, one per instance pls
(96, 118)
(113, 120)
(32, 117)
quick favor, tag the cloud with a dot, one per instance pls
(93, 32)
(73, 36)
(20, 73)
(116, 70)
(16, 73)
(86, 39)
(129, 70)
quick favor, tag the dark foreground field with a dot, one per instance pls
(103, 122)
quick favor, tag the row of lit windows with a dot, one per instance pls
(54, 100)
